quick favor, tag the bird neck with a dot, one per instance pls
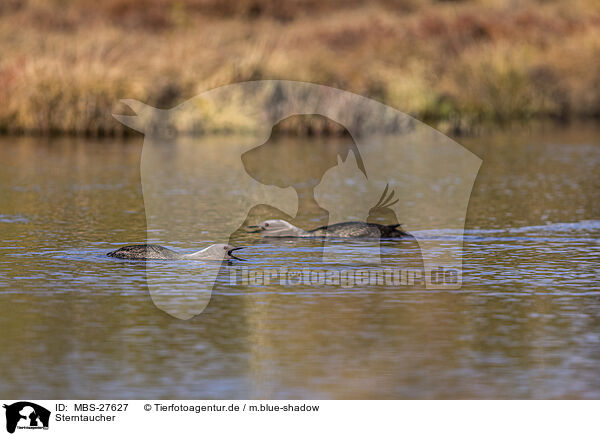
(206, 254)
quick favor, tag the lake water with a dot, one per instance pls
(524, 324)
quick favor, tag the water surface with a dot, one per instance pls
(525, 324)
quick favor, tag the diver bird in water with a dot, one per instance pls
(352, 229)
(217, 252)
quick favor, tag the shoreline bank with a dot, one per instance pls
(456, 65)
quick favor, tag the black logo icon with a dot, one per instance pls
(24, 414)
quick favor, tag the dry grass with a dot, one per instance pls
(64, 64)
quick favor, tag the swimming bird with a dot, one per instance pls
(352, 229)
(152, 251)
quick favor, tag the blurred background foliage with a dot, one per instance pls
(64, 64)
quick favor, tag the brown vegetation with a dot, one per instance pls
(64, 64)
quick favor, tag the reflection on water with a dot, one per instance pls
(526, 322)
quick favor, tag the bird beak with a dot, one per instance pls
(258, 229)
(234, 249)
